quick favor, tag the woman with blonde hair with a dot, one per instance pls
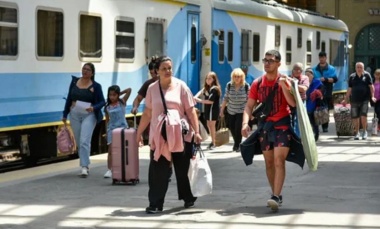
(235, 98)
(211, 92)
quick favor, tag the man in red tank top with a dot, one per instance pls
(275, 142)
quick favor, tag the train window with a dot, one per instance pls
(49, 33)
(318, 44)
(299, 38)
(90, 38)
(125, 40)
(308, 52)
(221, 46)
(8, 33)
(336, 53)
(323, 46)
(256, 47)
(154, 38)
(245, 47)
(277, 36)
(288, 50)
(193, 44)
(230, 46)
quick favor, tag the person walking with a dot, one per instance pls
(327, 74)
(235, 99)
(274, 132)
(115, 117)
(376, 86)
(178, 99)
(84, 103)
(211, 92)
(360, 92)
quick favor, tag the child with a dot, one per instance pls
(376, 85)
(211, 92)
(115, 117)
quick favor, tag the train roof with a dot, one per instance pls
(280, 12)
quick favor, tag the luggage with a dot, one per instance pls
(65, 141)
(125, 156)
(343, 121)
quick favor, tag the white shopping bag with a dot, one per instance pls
(199, 174)
(374, 125)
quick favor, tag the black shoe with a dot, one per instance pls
(238, 149)
(189, 204)
(274, 203)
(280, 200)
(234, 148)
(153, 210)
(211, 146)
(325, 130)
(170, 173)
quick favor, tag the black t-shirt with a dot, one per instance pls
(212, 95)
(144, 87)
(360, 90)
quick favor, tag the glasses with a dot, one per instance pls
(269, 61)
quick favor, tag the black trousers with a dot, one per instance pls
(159, 177)
(377, 110)
(329, 102)
(235, 124)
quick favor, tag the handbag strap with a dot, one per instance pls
(163, 98)
(222, 123)
(198, 149)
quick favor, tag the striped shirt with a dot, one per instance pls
(236, 99)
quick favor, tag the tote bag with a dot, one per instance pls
(222, 136)
(321, 115)
(65, 141)
(200, 176)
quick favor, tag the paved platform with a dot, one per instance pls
(343, 193)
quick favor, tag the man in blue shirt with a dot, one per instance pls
(326, 73)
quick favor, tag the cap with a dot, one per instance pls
(321, 54)
(309, 70)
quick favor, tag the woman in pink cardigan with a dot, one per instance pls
(179, 147)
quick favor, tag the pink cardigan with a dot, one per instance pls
(173, 134)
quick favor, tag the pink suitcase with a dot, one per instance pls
(125, 156)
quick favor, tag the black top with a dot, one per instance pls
(85, 95)
(360, 91)
(212, 95)
(144, 87)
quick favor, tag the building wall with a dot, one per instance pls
(355, 13)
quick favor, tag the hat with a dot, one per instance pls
(321, 54)
(309, 70)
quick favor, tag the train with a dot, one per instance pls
(43, 43)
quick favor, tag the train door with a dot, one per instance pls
(193, 56)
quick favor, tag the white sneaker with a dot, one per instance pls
(108, 174)
(357, 136)
(365, 135)
(84, 172)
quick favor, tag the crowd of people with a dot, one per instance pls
(267, 101)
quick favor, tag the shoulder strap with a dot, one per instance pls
(229, 86)
(163, 99)
(246, 88)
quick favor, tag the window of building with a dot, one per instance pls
(245, 47)
(256, 47)
(154, 38)
(8, 32)
(336, 53)
(221, 46)
(49, 33)
(193, 44)
(125, 40)
(288, 50)
(277, 36)
(90, 36)
(308, 52)
(318, 44)
(299, 38)
(323, 46)
(230, 46)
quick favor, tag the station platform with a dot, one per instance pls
(343, 193)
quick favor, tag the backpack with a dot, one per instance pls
(65, 141)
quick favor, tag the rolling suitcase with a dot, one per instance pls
(343, 121)
(125, 156)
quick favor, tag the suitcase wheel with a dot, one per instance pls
(134, 182)
(114, 181)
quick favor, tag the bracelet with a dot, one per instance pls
(245, 123)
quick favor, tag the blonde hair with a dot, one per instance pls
(377, 71)
(238, 72)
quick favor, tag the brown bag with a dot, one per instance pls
(222, 136)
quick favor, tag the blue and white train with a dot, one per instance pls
(44, 42)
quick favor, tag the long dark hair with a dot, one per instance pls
(214, 83)
(115, 89)
(161, 59)
(91, 65)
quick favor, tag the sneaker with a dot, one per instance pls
(84, 172)
(357, 136)
(153, 210)
(280, 200)
(274, 203)
(325, 130)
(189, 204)
(108, 174)
(364, 135)
(211, 146)
(234, 148)
(238, 149)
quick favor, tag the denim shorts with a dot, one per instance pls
(359, 109)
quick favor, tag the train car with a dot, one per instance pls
(43, 43)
